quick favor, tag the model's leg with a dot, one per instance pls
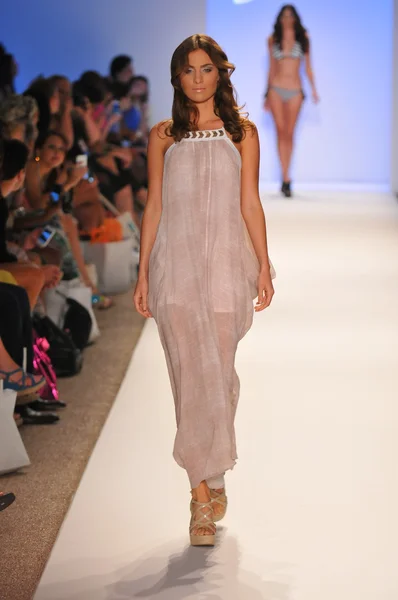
(278, 113)
(291, 113)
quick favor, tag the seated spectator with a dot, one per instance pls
(48, 180)
(121, 69)
(29, 276)
(110, 163)
(18, 119)
(15, 336)
(8, 72)
(53, 115)
(63, 119)
(137, 118)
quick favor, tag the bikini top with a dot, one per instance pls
(295, 52)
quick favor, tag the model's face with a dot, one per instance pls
(287, 18)
(200, 77)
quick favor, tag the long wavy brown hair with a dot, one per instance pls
(185, 114)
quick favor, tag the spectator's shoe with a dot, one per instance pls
(25, 385)
(6, 500)
(102, 302)
(33, 417)
(41, 404)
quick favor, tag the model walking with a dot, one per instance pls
(203, 260)
(288, 45)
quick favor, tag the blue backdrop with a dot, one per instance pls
(346, 138)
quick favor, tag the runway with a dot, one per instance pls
(314, 496)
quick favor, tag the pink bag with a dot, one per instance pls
(42, 366)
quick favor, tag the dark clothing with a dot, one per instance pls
(5, 256)
(16, 324)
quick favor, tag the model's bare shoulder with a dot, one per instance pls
(270, 40)
(163, 128)
(160, 135)
(250, 129)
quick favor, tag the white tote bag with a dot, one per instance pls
(115, 265)
(56, 305)
(13, 455)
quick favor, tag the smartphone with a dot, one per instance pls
(55, 194)
(45, 237)
(115, 110)
(82, 161)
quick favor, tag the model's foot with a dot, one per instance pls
(286, 189)
(203, 514)
(219, 503)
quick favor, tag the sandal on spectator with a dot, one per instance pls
(101, 302)
(6, 500)
(26, 384)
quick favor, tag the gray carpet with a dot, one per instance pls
(59, 453)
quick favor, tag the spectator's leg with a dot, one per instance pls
(125, 203)
(11, 329)
(30, 277)
(70, 227)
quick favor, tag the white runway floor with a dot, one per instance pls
(314, 498)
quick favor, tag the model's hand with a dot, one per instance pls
(266, 104)
(315, 97)
(141, 298)
(265, 290)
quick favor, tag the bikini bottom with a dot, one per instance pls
(286, 94)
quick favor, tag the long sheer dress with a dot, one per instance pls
(202, 281)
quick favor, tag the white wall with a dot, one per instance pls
(69, 37)
(394, 142)
(346, 139)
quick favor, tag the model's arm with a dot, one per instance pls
(271, 68)
(309, 72)
(253, 214)
(152, 213)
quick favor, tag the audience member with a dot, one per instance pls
(28, 275)
(63, 149)
(121, 68)
(8, 72)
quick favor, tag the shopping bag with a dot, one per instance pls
(13, 455)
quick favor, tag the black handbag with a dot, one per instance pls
(78, 323)
(66, 358)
